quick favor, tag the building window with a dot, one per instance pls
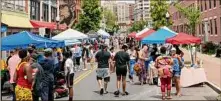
(53, 14)
(211, 27)
(215, 26)
(214, 3)
(219, 2)
(45, 12)
(200, 29)
(203, 30)
(201, 6)
(35, 10)
(210, 4)
(205, 4)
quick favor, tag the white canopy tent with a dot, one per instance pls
(103, 33)
(70, 34)
(141, 32)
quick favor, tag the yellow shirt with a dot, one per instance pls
(3, 65)
(59, 50)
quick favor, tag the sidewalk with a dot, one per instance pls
(211, 64)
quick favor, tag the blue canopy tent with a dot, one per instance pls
(72, 42)
(24, 39)
(158, 37)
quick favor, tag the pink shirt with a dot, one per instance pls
(12, 64)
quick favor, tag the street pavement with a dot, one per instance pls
(212, 66)
(87, 89)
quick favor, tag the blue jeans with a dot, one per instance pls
(132, 63)
(46, 93)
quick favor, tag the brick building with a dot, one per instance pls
(209, 28)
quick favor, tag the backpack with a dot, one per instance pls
(164, 66)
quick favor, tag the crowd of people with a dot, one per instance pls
(33, 72)
(165, 61)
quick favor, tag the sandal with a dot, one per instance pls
(163, 97)
(125, 93)
(116, 93)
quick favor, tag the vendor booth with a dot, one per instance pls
(24, 39)
(141, 32)
(192, 75)
(158, 37)
(132, 35)
(70, 34)
(103, 33)
(145, 34)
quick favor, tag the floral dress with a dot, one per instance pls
(23, 88)
(143, 74)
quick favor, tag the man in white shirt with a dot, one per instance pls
(69, 73)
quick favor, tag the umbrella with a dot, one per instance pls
(145, 34)
(182, 38)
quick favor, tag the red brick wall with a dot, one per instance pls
(209, 13)
(26, 6)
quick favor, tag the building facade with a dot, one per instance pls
(209, 28)
(131, 12)
(123, 16)
(142, 10)
(15, 16)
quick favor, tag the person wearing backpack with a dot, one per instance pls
(164, 65)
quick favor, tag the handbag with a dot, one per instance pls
(137, 68)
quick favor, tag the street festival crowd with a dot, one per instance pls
(35, 73)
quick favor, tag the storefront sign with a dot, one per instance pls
(4, 28)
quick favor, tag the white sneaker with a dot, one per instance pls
(84, 69)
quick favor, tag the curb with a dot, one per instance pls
(214, 87)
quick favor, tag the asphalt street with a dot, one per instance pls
(86, 88)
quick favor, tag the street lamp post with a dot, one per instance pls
(167, 17)
(57, 22)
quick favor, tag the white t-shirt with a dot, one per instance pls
(69, 66)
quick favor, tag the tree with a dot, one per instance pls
(90, 17)
(192, 14)
(158, 11)
(110, 20)
(138, 26)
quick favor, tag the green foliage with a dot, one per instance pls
(110, 21)
(192, 14)
(90, 17)
(158, 10)
(209, 48)
(138, 26)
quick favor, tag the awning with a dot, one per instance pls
(50, 25)
(145, 34)
(13, 20)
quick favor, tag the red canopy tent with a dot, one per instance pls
(132, 35)
(182, 38)
(145, 34)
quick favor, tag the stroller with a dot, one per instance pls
(60, 89)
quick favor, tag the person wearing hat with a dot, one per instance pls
(177, 64)
(122, 59)
(103, 70)
(48, 67)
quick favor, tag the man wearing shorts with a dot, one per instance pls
(103, 70)
(69, 73)
(122, 59)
